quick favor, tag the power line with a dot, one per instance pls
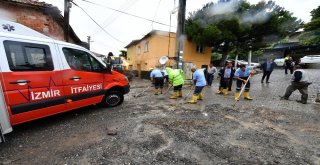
(126, 13)
(98, 24)
(112, 18)
(155, 14)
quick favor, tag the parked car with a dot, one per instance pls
(233, 62)
(242, 62)
(310, 59)
(279, 61)
(120, 68)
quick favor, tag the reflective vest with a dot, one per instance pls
(176, 76)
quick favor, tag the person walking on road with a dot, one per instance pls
(176, 78)
(288, 64)
(267, 68)
(226, 76)
(157, 78)
(200, 82)
(299, 81)
(210, 75)
(242, 75)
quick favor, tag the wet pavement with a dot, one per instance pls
(150, 129)
(264, 94)
(267, 94)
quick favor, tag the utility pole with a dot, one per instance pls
(67, 6)
(249, 55)
(250, 51)
(89, 40)
(180, 32)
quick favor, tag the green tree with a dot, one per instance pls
(311, 34)
(215, 56)
(123, 53)
(237, 25)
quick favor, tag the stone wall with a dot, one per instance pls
(35, 18)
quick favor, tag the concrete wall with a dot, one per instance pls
(191, 55)
(131, 58)
(158, 47)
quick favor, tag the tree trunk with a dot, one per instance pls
(223, 58)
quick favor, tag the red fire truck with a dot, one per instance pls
(41, 77)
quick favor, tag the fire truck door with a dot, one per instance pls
(5, 126)
(83, 83)
(32, 80)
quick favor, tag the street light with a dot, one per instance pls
(250, 51)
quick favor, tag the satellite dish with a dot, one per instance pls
(163, 60)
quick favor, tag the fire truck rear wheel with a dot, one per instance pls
(112, 99)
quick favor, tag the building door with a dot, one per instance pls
(139, 70)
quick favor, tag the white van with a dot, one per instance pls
(40, 77)
(310, 59)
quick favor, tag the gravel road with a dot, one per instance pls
(154, 130)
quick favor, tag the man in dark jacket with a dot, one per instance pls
(267, 68)
(226, 75)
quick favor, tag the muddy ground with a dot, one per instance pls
(152, 130)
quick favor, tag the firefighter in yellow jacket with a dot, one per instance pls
(176, 78)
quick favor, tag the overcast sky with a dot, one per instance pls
(125, 28)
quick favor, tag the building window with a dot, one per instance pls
(24, 56)
(146, 46)
(200, 48)
(139, 50)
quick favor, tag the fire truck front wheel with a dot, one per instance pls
(112, 99)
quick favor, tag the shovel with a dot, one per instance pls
(167, 90)
(242, 89)
(139, 94)
(192, 87)
(184, 99)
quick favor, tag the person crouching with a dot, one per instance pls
(200, 82)
(157, 78)
(299, 81)
(176, 78)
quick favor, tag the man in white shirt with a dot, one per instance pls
(210, 76)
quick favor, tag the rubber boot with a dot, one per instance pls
(304, 99)
(193, 99)
(220, 90)
(236, 96)
(227, 91)
(174, 95)
(179, 93)
(156, 91)
(318, 97)
(200, 96)
(247, 96)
